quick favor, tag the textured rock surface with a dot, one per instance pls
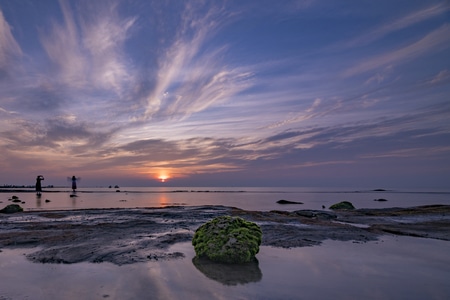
(125, 236)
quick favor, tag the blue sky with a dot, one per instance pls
(226, 93)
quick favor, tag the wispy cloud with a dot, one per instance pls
(104, 37)
(441, 78)
(397, 24)
(188, 79)
(62, 46)
(435, 40)
(9, 48)
(411, 152)
(87, 51)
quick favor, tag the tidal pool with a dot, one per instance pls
(391, 268)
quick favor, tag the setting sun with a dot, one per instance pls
(163, 177)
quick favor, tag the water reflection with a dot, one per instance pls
(229, 274)
(38, 200)
(73, 196)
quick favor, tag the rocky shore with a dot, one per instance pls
(124, 236)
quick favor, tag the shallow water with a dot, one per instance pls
(261, 199)
(391, 268)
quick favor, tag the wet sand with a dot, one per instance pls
(127, 236)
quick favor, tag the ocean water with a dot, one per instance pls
(248, 198)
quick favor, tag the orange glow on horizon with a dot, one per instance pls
(163, 177)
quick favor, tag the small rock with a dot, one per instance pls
(288, 202)
(46, 200)
(342, 205)
(380, 200)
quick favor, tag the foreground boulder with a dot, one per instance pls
(342, 205)
(228, 239)
(11, 208)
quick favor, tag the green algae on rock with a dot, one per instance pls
(342, 205)
(228, 239)
(11, 208)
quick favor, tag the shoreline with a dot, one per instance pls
(130, 235)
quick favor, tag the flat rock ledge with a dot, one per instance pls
(125, 236)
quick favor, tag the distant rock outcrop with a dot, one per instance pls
(288, 202)
(11, 208)
(342, 205)
(228, 239)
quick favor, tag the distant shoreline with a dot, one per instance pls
(206, 190)
(6, 190)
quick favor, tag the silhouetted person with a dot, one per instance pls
(39, 178)
(74, 183)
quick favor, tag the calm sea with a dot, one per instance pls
(249, 198)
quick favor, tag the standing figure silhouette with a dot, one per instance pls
(39, 178)
(74, 183)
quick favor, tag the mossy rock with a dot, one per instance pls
(228, 239)
(342, 205)
(11, 208)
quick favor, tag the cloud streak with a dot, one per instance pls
(9, 48)
(434, 41)
(188, 82)
(398, 24)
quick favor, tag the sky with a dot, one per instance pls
(301, 93)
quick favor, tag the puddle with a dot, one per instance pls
(391, 268)
(353, 224)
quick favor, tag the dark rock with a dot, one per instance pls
(228, 239)
(379, 190)
(380, 200)
(342, 205)
(320, 215)
(16, 200)
(11, 208)
(288, 202)
(46, 200)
